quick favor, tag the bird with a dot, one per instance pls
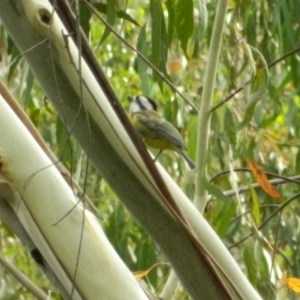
(154, 129)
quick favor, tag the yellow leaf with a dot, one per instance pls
(142, 274)
(293, 284)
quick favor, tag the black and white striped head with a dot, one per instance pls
(139, 103)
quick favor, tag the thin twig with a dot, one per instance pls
(272, 64)
(280, 208)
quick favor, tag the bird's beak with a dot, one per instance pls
(130, 99)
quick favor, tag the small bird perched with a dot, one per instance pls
(156, 132)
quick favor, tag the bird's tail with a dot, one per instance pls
(187, 159)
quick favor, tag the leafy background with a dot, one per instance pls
(260, 123)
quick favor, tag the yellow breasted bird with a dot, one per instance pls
(155, 131)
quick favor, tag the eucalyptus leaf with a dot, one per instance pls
(142, 67)
(159, 54)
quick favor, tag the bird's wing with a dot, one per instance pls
(162, 128)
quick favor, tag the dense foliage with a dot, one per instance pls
(259, 123)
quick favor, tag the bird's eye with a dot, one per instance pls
(153, 103)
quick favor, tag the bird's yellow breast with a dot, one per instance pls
(150, 137)
(160, 143)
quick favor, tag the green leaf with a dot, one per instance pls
(142, 67)
(297, 162)
(124, 15)
(111, 14)
(170, 4)
(259, 85)
(35, 116)
(222, 222)
(121, 14)
(15, 58)
(159, 55)
(85, 17)
(146, 257)
(171, 110)
(184, 22)
(258, 270)
(261, 81)
(229, 126)
(250, 262)
(254, 98)
(116, 230)
(255, 206)
(27, 92)
(200, 28)
(214, 191)
(65, 145)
